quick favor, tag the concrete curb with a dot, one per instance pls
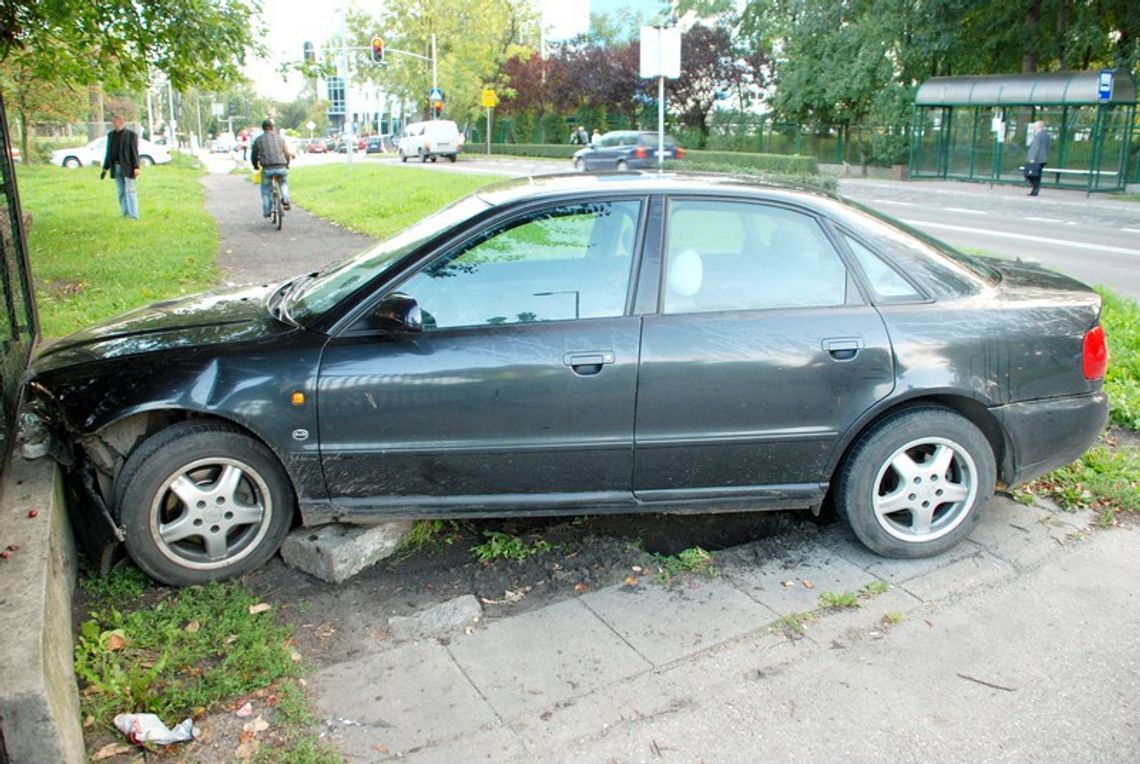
(39, 703)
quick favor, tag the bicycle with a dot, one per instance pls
(276, 208)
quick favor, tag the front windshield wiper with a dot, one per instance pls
(279, 301)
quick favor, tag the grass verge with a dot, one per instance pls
(1104, 479)
(189, 652)
(1121, 320)
(89, 263)
(364, 198)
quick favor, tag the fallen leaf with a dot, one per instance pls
(789, 584)
(294, 656)
(33, 513)
(193, 627)
(255, 725)
(115, 641)
(244, 711)
(111, 749)
(581, 587)
(631, 581)
(325, 630)
(88, 721)
(636, 568)
(13, 547)
(379, 748)
(247, 749)
(808, 584)
(260, 607)
(5, 554)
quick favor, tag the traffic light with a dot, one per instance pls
(377, 50)
(437, 108)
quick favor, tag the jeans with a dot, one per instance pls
(128, 193)
(267, 175)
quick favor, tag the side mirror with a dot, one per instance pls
(398, 312)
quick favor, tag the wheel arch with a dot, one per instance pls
(972, 410)
(112, 444)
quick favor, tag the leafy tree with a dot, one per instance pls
(473, 39)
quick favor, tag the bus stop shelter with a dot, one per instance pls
(975, 128)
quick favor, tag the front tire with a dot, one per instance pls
(403, 156)
(622, 166)
(913, 485)
(145, 161)
(580, 164)
(72, 162)
(203, 502)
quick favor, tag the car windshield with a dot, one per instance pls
(339, 281)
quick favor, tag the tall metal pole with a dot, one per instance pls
(660, 118)
(346, 79)
(434, 67)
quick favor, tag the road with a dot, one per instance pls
(1095, 239)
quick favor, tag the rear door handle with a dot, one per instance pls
(842, 348)
(588, 362)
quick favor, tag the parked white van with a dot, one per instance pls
(429, 140)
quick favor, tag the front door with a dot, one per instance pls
(519, 391)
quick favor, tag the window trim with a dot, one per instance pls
(853, 297)
(465, 238)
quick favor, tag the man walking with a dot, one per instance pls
(122, 161)
(1037, 157)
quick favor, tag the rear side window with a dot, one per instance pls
(727, 255)
(885, 280)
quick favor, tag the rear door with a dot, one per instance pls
(763, 352)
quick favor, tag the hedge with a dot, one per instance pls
(828, 183)
(775, 163)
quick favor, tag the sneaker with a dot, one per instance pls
(286, 206)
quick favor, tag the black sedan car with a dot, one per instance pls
(625, 150)
(580, 344)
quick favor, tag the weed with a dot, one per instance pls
(875, 588)
(892, 618)
(191, 650)
(832, 601)
(793, 625)
(123, 584)
(1023, 497)
(504, 546)
(691, 560)
(434, 534)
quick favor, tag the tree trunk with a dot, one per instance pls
(1032, 37)
(95, 112)
(25, 139)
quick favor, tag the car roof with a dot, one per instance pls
(646, 182)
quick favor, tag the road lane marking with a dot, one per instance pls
(1045, 220)
(890, 201)
(965, 210)
(1131, 230)
(1024, 237)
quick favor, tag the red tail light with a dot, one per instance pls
(1094, 359)
(640, 152)
(679, 153)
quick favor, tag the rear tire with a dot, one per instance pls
(202, 502)
(914, 484)
(622, 166)
(580, 164)
(72, 162)
(145, 161)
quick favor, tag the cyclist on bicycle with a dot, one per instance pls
(272, 155)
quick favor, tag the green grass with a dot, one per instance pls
(1121, 320)
(1103, 479)
(89, 263)
(845, 600)
(375, 199)
(187, 653)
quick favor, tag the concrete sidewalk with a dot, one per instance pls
(1021, 644)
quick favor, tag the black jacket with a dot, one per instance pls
(127, 145)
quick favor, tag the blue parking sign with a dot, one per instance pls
(1104, 85)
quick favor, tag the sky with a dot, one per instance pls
(291, 22)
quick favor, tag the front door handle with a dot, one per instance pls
(842, 348)
(587, 363)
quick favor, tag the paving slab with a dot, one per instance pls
(537, 659)
(842, 541)
(697, 613)
(793, 587)
(400, 699)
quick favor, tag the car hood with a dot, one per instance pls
(208, 318)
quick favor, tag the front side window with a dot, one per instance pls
(723, 255)
(554, 264)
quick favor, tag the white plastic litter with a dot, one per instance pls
(148, 728)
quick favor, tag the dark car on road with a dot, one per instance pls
(573, 344)
(625, 150)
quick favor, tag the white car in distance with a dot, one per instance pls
(93, 153)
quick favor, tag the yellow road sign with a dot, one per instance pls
(490, 100)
